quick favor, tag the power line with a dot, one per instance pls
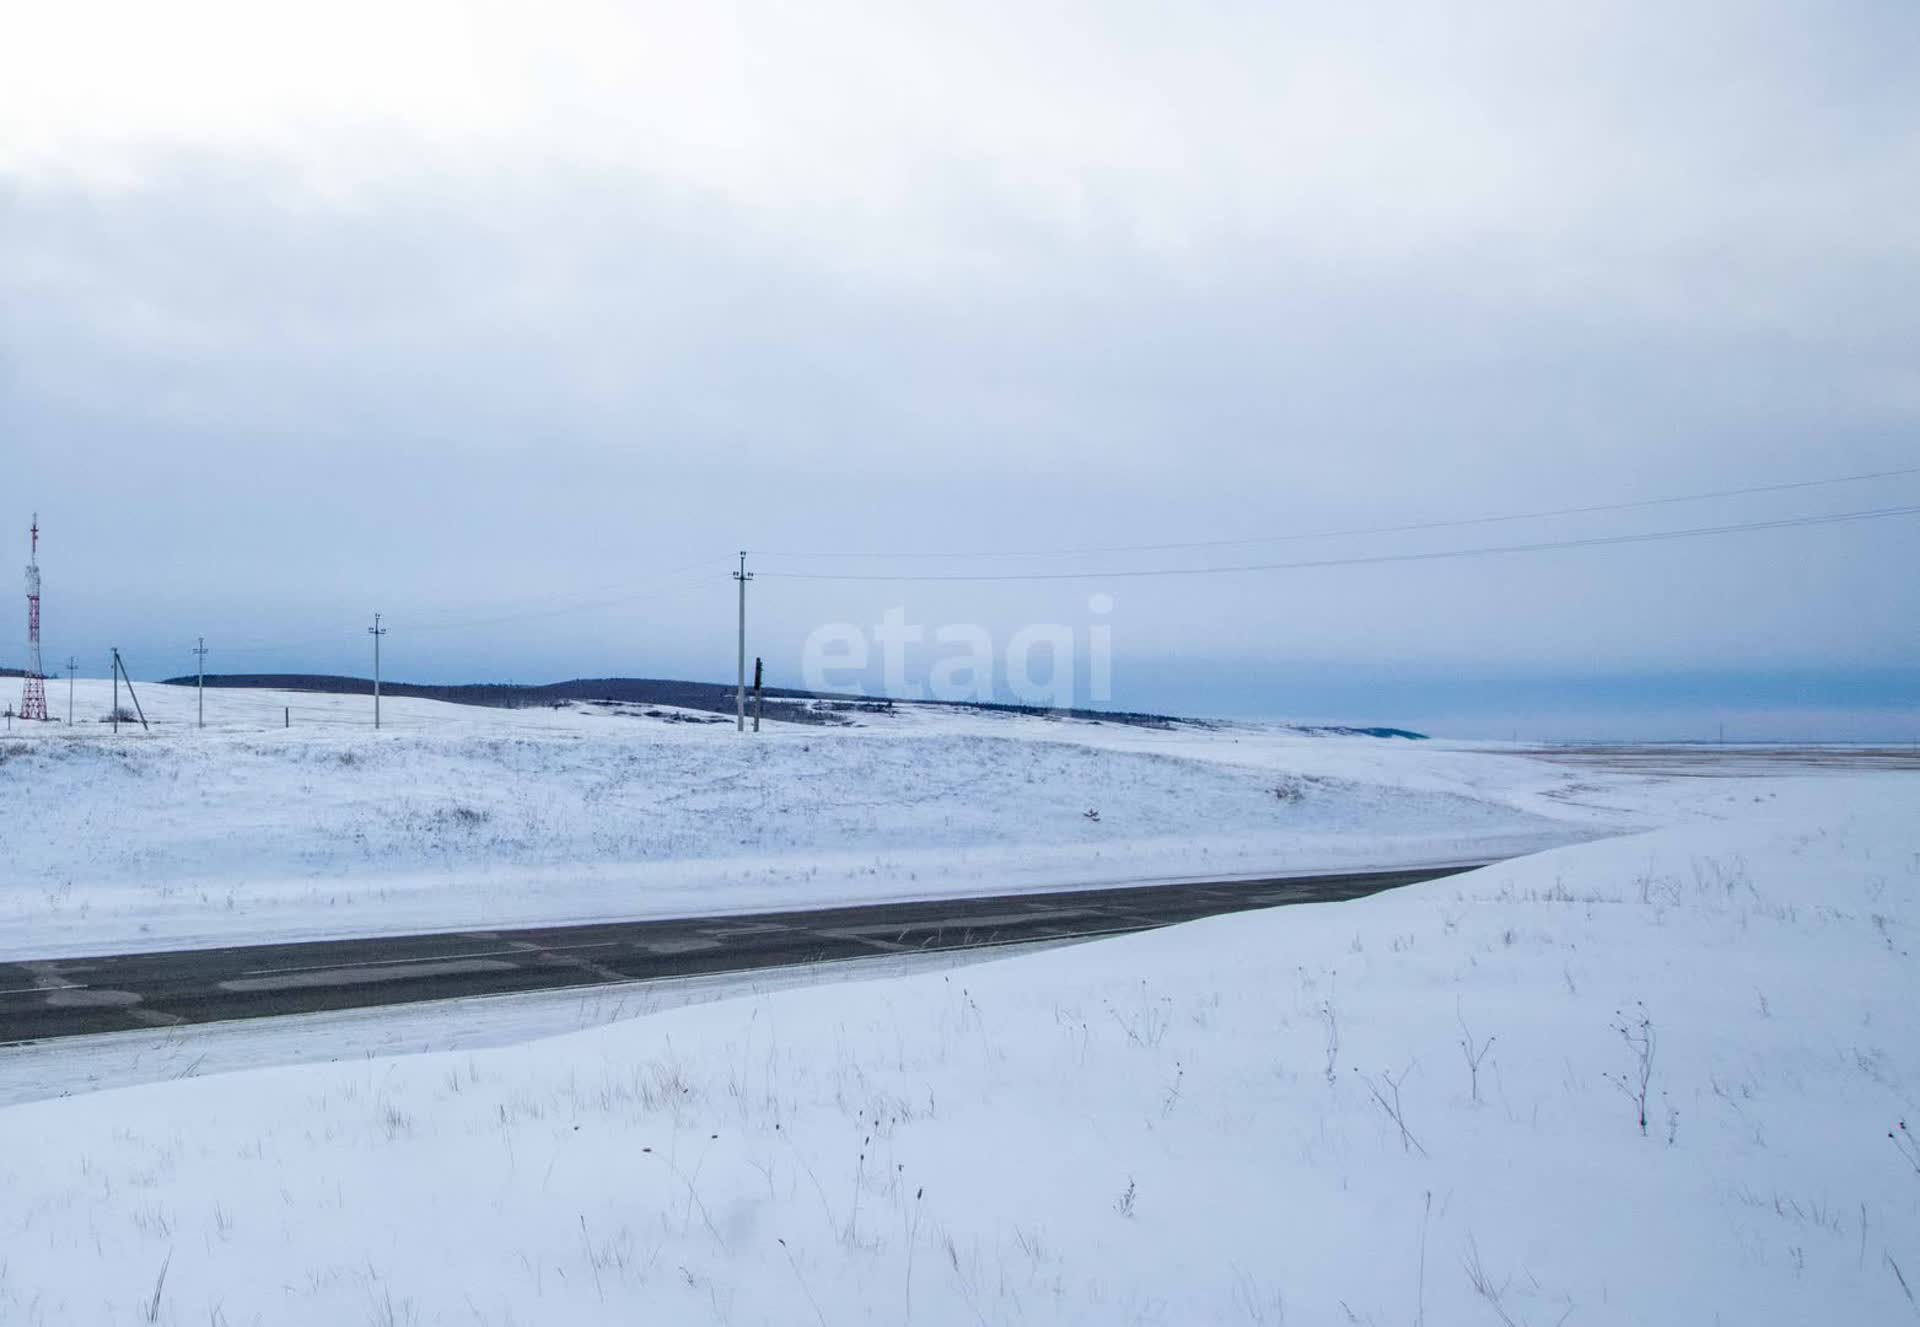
(1375, 529)
(457, 624)
(291, 646)
(1595, 541)
(614, 601)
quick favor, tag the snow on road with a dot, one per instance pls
(457, 817)
(1264, 1118)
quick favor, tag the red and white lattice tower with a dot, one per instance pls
(33, 694)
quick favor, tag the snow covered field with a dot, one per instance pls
(1262, 1118)
(457, 817)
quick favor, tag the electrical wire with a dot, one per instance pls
(637, 596)
(1594, 541)
(1371, 530)
(456, 624)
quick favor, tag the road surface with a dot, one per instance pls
(77, 996)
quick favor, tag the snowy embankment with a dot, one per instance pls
(456, 817)
(1266, 1118)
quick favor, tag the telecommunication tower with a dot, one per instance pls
(33, 693)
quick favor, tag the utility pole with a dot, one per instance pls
(73, 665)
(740, 675)
(376, 631)
(120, 675)
(200, 684)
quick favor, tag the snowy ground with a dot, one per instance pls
(35, 1071)
(1262, 1118)
(455, 817)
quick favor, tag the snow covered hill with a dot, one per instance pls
(289, 817)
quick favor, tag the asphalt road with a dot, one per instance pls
(74, 997)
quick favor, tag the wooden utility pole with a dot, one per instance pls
(740, 676)
(376, 631)
(200, 684)
(119, 676)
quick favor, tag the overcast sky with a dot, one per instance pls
(512, 321)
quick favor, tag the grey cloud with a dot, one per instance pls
(255, 409)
